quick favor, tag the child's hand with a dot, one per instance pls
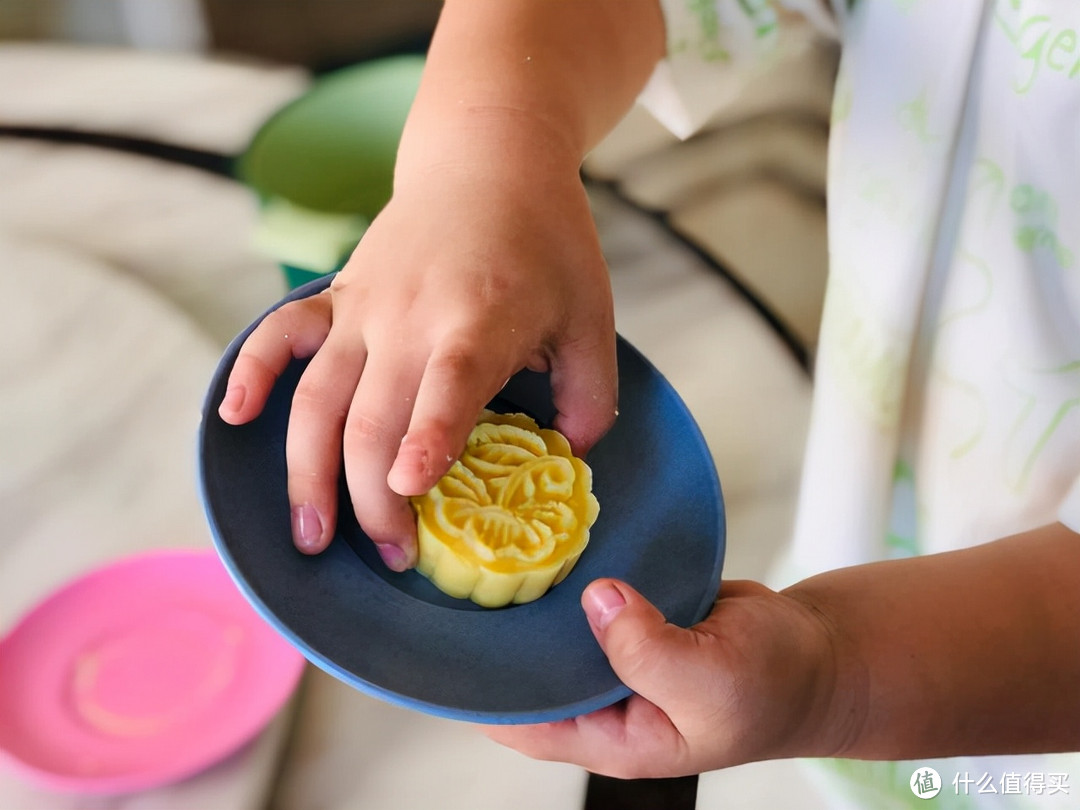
(469, 274)
(890, 660)
(755, 680)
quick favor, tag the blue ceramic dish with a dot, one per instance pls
(394, 636)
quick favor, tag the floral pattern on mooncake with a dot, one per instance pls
(510, 518)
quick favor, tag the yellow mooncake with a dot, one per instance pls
(510, 518)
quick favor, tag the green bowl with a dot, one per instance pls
(333, 149)
(297, 276)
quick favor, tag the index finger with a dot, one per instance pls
(293, 331)
(459, 379)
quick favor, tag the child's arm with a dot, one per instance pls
(969, 652)
(485, 261)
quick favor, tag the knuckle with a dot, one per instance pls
(363, 431)
(311, 400)
(496, 288)
(345, 285)
(339, 283)
(287, 318)
(460, 360)
(301, 325)
(302, 481)
(641, 658)
(469, 361)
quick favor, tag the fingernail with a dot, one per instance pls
(307, 528)
(234, 398)
(394, 556)
(603, 603)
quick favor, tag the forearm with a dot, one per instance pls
(538, 81)
(969, 652)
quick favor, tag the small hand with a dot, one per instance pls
(462, 281)
(752, 681)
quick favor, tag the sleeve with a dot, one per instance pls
(714, 47)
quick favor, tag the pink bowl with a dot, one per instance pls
(138, 674)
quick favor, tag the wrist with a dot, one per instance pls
(837, 709)
(531, 81)
(483, 140)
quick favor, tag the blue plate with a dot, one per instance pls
(394, 636)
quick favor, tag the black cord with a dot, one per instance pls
(607, 793)
(785, 333)
(207, 161)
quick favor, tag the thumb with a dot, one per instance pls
(645, 651)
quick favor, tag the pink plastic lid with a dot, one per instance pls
(139, 674)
